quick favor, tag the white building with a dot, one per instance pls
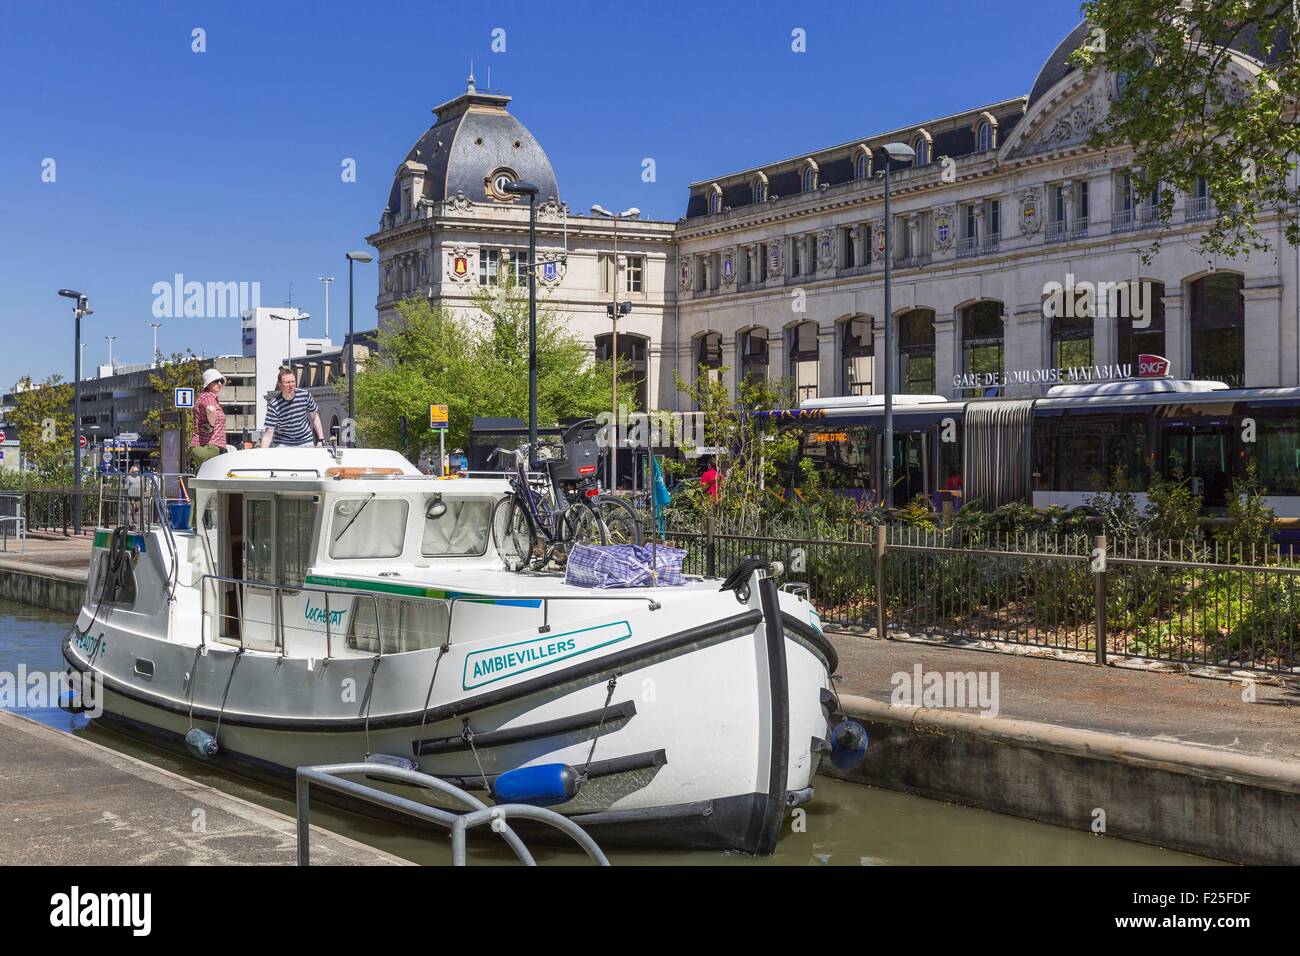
(271, 336)
(777, 270)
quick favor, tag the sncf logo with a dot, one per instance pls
(1153, 366)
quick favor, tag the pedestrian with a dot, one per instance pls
(291, 416)
(209, 438)
(134, 494)
(711, 478)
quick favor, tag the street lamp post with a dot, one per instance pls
(79, 311)
(327, 280)
(520, 188)
(353, 257)
(289, 320)
(901, 152)
(109, 339)
(614, 312)
(155, 326)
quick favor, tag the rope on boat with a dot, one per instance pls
(467, 735)
(221, 712)
(600, 725)
(442, 651)
(370, 693)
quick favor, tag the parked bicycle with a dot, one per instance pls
(544, 516)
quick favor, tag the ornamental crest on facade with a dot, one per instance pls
(1031, 217)
(728, 267)
(943, 228)
(825, 248)
(684, 274)
(458, 264)
(459, 204)
(552, 269)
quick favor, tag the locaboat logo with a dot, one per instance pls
(75, 908)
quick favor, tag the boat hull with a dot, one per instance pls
(705, 737)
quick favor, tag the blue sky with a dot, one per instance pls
(225, 165)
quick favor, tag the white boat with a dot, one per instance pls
(336, 605)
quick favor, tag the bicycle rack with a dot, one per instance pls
(332, 777)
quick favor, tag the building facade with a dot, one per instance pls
(1017, 257)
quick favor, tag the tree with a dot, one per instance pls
(182, 370)
(749, 491)
(1190, 106)
(475, 363)
(42, 416)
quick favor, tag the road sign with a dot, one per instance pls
(81, 441)
(128, 437)
(438, 417)
(184, 398)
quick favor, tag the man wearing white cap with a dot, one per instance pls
(209, 438)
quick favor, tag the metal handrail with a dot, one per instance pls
(330, 777)
(278, 625)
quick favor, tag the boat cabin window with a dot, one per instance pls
(455, 528)
(368, 527)
(278, 528)
(403, 625)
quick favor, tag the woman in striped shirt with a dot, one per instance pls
(291, 416)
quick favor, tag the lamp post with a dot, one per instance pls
(353, 257)
(288, 340)
(614, 311)
(327, 280)
(79, 311)
(901, 152)
(109, 339)
(520, 188)
(155, 326)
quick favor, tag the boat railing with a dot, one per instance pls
(475, 814)
(279, 629)
(544, 603)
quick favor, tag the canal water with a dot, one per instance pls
(846, 824)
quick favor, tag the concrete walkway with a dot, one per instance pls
(71, 802)
(50, 551)
(1151, 705)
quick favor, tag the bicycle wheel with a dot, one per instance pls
(581, 525)
(512, 533)
(620, 520)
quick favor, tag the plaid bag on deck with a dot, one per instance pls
(623, 565)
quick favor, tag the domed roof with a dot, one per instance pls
(1057, 68)
(475, 141)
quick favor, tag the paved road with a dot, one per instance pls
(69, 801)
(1155, 706)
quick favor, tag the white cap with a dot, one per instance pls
(212, 375)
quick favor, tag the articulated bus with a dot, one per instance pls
(1060, 449)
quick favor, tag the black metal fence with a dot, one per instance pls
(1190, 602)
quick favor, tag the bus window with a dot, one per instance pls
(1199, 453)
(1277, 455)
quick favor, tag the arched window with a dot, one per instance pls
(802, 348)
(708, 356)
(758, 188)
(753, 349)
(1218, 321)
(633, 352)
(1072, 339)
(715, 199)
(984, 136)
(1141, 320)
(982, 349)
(916, 352)
(922, 147)
(334, 427)
(809, 179)
(857, 356)
(862, 165)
